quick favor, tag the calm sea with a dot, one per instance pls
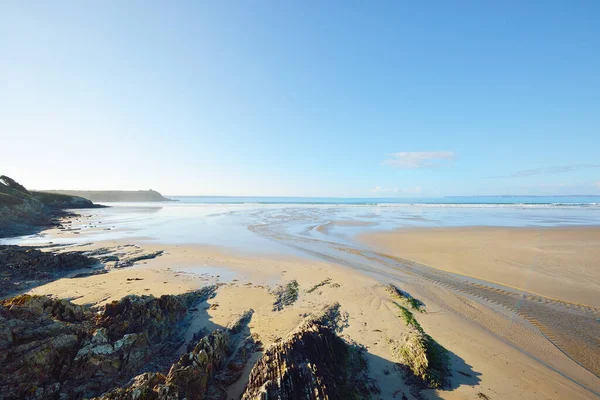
(584, 201)
(242, 222)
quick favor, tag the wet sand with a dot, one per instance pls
(557, 263)
(327, 227)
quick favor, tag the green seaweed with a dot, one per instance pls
(408, 317)
(398, 294)
(318, 285)
(286, 295)
(427, 359)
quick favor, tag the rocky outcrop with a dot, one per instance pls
(55, 349)
(23, 211)
(311, 363)
(23, 267)
(136, 256)
(285, 295)
(155, 316)
(56, 200)
(12, 192)
(12, 184)
(424, 359)
(217, 360)
(40, 338)
(20, 213)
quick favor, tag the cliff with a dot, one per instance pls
(114, 195)
(23, 211)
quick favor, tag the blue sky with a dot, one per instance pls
(307, 98)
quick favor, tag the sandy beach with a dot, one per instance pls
(481, 363)
(515, 308)
(559, 263)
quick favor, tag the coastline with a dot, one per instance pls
(480, 361)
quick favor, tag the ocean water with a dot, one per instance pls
(585, 201)
(257, 223)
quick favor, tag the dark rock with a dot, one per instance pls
(216, 360)
(22, 267)
(130, 260)
(311, 363)
(156, 316)
(40, 338)
(11, 183)
(285, 295)
(86, 274)
(24, 212)
(52, 348)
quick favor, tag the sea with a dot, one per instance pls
(258, 223)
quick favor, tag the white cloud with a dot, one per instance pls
(598, 183)
(419, 159)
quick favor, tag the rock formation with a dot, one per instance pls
(22, 211)
(285, 295)
(123, 351)
(424, 360)
(311, 363)
(55, 349)
(23, 267)
(217, 360)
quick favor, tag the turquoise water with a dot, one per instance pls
(454, 200)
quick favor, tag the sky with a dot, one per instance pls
(311, 98)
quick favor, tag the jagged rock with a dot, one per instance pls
(52, 348)
(156, 316)
(147, 386)
(188, 378)
(285, 295)
(129, 261)
(311, 363)
(22, 267)
(38, 343)
(217, 359)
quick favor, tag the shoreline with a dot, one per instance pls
(249, 279)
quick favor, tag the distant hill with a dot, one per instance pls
(24, 211)
(99, 196)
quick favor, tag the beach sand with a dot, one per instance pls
(559, 263)
(481, 362)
